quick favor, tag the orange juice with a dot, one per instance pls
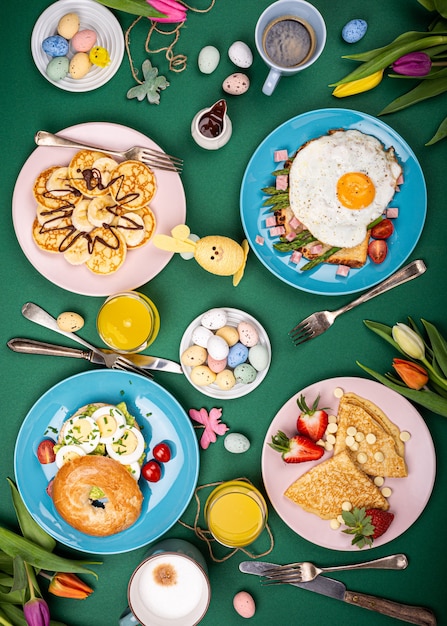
(128, 322)
(236, 513)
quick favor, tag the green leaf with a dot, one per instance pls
(15, 614)
(29, 527)
(425, 398)
(20, 577)
(136, 7)
(423, 91)
(441, 133)
(385, 332)
(428, 4)
(407, 37)
(439, 345)
(6, 563)
(441, 7)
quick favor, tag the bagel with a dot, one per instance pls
(113, 505)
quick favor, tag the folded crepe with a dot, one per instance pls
(326, 486)
(378, 449)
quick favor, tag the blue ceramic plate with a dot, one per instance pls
(161, 418)
(411, 201)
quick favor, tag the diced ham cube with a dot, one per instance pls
(392, 212)
(291, 235)
(282, 182)
(280, 155)
(270, 221)
(296, 256)
(277, 231)
(294, 223)
(316, 249)
(259, 240)
(342, 270)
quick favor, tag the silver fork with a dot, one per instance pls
(304, 572)
(112, 360)
(318, 322)
(152, 158)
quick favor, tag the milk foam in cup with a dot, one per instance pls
(169, 588)
(290, 35)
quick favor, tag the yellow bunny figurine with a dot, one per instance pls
(216, 254)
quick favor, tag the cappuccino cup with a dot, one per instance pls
(290, 35)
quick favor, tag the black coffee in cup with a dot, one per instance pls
(288, 41)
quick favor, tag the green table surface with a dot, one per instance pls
(183, 290)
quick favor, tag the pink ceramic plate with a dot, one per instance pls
(142, 264)
(409, 495)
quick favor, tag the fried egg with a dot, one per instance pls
(339, 183)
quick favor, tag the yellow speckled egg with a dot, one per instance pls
(194, 355)
(202, 375)
(70, 321)
(225, 380)
(229, 333)
(68, 25)
(79, 65)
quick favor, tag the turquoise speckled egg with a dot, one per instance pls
(57, 68)
(245, 373)
(354, 30)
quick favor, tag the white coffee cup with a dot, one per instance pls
(170, 587)
(300, 28)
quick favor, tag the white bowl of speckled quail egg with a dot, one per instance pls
(225, 353)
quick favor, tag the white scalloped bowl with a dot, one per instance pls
(234, 317)
(92, 15)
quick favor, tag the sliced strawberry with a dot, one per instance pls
(297, 449)
(381, 521)
(313, 421)
(45, 451)
(366, 525)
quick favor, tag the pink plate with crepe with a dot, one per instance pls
(141, 264)
(409, 495)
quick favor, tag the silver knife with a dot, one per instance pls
(337, 590)
(31, 346)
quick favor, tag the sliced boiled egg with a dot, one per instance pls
(81, 430)
(111, 423)
(134, 470)
(68, 453)
(128, 448)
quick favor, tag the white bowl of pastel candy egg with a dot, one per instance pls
(225, 353)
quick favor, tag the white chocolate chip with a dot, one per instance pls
(349, 441)
(330, 439)
(334, 524)
(346, 506)
(361, 457)
(371, 438)
(351, 430)
(355, 446)
(332, 428)
(338, 392)
(359, 436)
(320, 442)
(386, 492)
(340, 519)
(328, 446)
(405, 435)
(332, 419)
(379, 480)
(379, 456)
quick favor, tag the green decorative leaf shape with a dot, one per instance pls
(441, 133)
(423, 91)
(136, 7)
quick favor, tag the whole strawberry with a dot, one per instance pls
(297, 449)
(313, 421)
(366, 525)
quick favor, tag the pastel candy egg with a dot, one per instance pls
(248, 335)
(79, 65)
(258, 356)
(70, 322)
(57, 68)
(225, 380)
(245, 373)
(354, 30)
(55, 46)
(84, 40)
(229, 333)
(240, 54)
(236, 84)
(214, 319)
(237, 354)
(194, 355)
(68, 25)
(202, 375)
(200, 336)
(208, 59)
(244, 604)
(236, 443)
(217, 348)
(216, 365)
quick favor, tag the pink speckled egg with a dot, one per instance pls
(83, 40)
(248, 335)
(216, 365)
(244, 604)
(236, 84)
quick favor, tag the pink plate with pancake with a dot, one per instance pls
(141, 264)
(409, 495)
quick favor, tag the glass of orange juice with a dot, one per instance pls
(235, 513)
(128, 322)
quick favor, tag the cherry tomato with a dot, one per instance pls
(162, 452)
(151, 471)
(377, 250)
(383, 229)
(45, 451)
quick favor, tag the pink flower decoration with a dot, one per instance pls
(212, 423)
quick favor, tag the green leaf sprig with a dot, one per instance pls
(135, 7)
(434, 395)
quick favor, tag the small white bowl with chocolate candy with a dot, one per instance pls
(225, 353)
